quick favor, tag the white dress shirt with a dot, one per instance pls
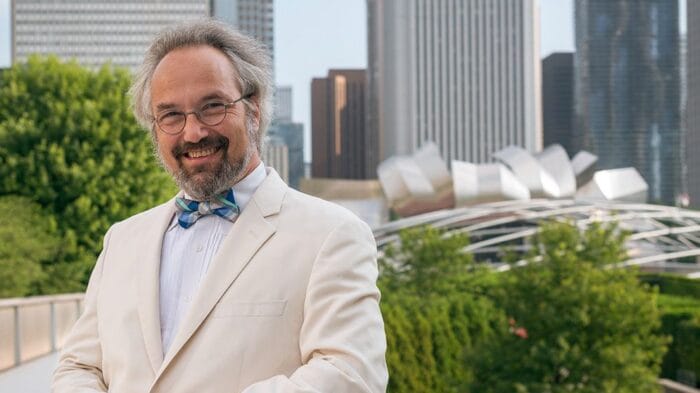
(186, 255)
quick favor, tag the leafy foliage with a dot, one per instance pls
(681, 320)
(432, 311)
(430, 262)
(69, 142)
(587, 327)
(27, 238)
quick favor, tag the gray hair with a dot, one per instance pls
(248, 56)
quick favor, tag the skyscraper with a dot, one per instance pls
(692, 140)
(292, 135)
(338, 129)
(276, 154)
(558, 100)
(253, 17)
(95, 32)
(627, 89)
(464, 74)
(283, 104)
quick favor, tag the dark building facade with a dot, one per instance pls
(558, 100)
(338, 131)
(627, 89)
(692, 140)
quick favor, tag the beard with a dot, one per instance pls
(205, 183)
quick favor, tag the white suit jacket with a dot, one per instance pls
(289, 304)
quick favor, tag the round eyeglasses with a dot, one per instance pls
(212, 113)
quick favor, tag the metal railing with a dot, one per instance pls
(669, 386)
(35, 326)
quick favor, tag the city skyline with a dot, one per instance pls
(343, 42)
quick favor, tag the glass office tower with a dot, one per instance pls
(627, 89)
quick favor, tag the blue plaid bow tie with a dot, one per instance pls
(190, 211)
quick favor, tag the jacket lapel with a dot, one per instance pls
(250, 231)
(151, 239)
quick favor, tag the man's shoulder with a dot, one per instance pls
(144, 218)
(318, 210)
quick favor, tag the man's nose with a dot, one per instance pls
(194, 129)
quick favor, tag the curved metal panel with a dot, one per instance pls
(583, 164)
(402, 178)
(555, 162)
(624, 185)
(528, 170)
(432, 165)
(485, 183)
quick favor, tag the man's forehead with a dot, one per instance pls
(200, 56)
(200, 71)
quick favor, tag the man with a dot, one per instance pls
(239, 284)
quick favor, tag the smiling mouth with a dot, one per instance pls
(201, 153)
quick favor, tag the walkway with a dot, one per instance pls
(31, 377)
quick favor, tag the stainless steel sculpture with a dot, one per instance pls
(528, 170)
(584, 167)
(479, 183)
(555, 162)
(660, 236)
(624, 185)
(421, 182)
(417, 183)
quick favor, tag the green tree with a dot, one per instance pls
(431, 262)
(576, 324)
(27, 239)
(434, 311)
(69, 142)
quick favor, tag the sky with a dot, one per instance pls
(313, 36)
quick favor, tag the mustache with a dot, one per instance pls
(215, 141)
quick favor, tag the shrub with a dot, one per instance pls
(69, 142)
(433, 310)
(27, 238)
(576, 325)
(681, 320)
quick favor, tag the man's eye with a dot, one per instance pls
(213, 107)
(169, 116)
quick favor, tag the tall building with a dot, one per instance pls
(292, 135)
(692, 138)
(283, 104)
(338, 130)
(253, 17)
(95, 32)
(463, 74)
(558, 100)
(627, 81)
(276, 155)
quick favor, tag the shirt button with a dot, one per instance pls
(200, 248)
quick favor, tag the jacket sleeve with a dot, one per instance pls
(342, 338)
(80, 364)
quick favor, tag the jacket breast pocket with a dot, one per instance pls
(250, 309)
